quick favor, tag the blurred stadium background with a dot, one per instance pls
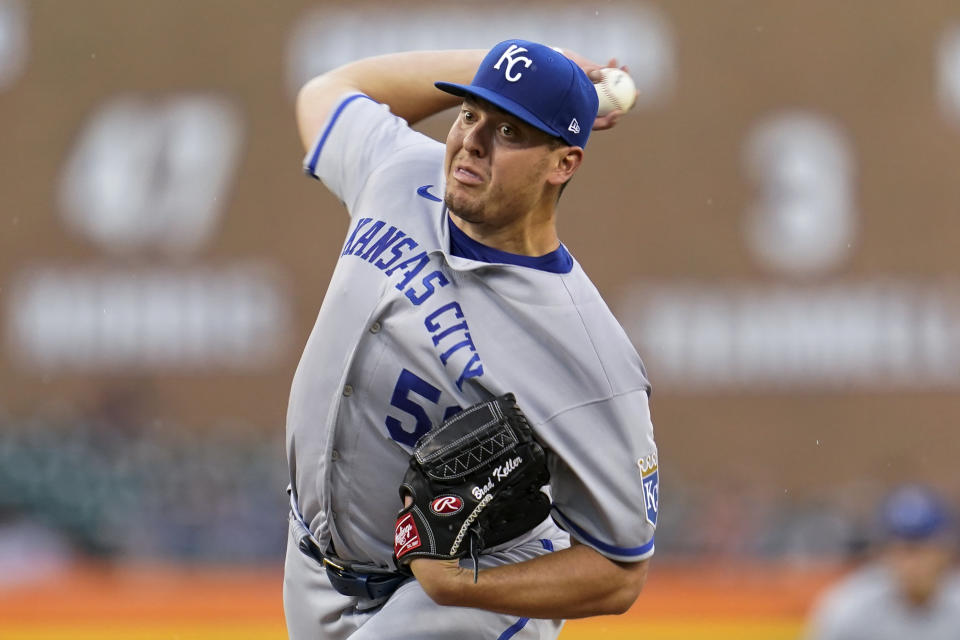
(775, 225)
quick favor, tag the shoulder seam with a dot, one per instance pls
(609, 396)
(390, 162)
(593, 345)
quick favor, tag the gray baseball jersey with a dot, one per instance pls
(867, 606)
(409, 333)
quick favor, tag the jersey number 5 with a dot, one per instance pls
(408, 383)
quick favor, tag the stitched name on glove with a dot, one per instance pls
(500, 472)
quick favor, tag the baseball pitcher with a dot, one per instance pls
(469, 438)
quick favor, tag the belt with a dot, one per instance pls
(349, 579)
(372, 583)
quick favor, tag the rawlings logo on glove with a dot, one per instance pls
(406, 538)
(474, 482)
(446, 505)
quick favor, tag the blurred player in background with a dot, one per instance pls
(911, 590)
(452, 287)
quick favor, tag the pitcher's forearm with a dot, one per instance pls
(404, 81)
(572, 583)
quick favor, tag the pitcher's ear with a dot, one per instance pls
(567, 164)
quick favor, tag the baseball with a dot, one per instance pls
(616, 90)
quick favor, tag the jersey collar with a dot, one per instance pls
(481, 256)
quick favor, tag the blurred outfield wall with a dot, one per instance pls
(775, 225)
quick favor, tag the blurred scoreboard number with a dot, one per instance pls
(152, 175)
(803, 219)
(804, 330)
(948, 73)
(13, 41)
(149, 179)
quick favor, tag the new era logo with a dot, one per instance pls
(574, 126)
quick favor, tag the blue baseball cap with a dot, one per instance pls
(914, 512)
(537, 84)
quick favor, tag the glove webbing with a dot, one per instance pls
(469, 521)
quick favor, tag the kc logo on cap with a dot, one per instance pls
(508, 55)
(538, 85)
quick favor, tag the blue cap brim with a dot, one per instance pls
(501, 102)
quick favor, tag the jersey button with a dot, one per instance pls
(335, 455)
(347, 390)
(375, 327)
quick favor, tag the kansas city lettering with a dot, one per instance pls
(450, 334)
(399, 256)
(393, 251)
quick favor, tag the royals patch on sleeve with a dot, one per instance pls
(650, 475)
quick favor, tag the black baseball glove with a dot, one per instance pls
(475, 482)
